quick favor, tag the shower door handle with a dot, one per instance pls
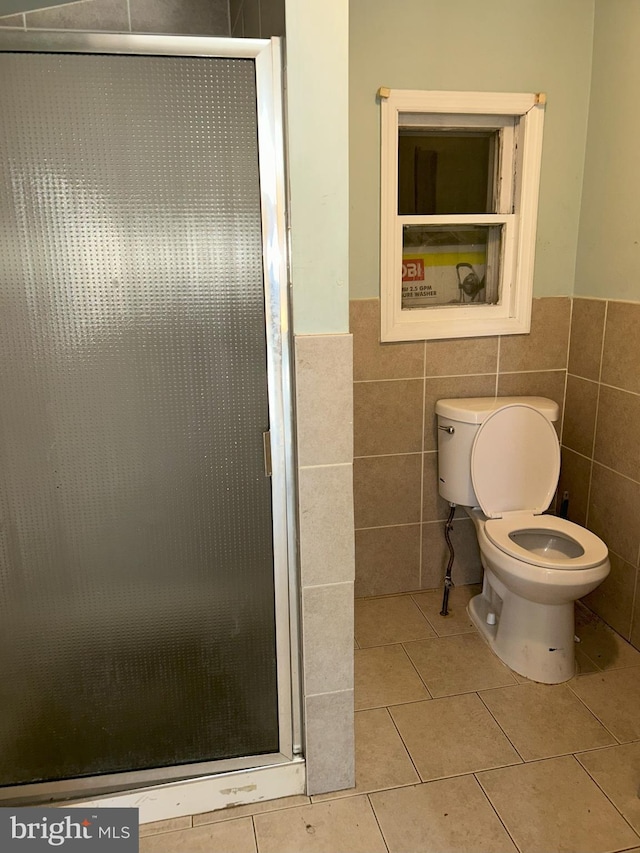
(266, 448)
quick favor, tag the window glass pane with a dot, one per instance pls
(446, 171)
(447, 265)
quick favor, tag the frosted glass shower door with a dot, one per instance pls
(136, 540)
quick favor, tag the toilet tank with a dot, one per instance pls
(458, 423)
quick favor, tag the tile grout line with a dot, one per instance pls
(413, 764)
(418, 378)
(255, 833)
(331, 464)
(602, 791)
(375, 817)
(518, 753)
(495, 810)
(606, 467)
(428, 621)
(606, 385)
(634, 600)
(593, 713)
(595, 425)
(424, 397)
(129, 14)
(406, 453)
(495, 391)
(497, 374)
(566, 374)
(411, 524)
(409, 658)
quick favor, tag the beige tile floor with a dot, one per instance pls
(457, 754)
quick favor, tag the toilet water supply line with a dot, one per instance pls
(448, 583)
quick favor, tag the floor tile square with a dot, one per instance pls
(385, 676)
(451, 736)
(232, 836)
(606, 648)
(380, 621)
(381, 758)
(170, 825)
(449, 816)
(614, 698)
(617, 771)
(458, 664)
(584, 664)
(543, 720)
(339, 826)
(456, 621)
(250, 809)
(555, 807)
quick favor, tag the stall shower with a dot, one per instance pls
(142, 489)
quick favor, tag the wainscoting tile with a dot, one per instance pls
(387, 490)
(324, 393)
(614, 511)
(326, 524)
(621, 354)
(387, 560)
(618, 432)
(13, 21)
(387, 417)
(327, 620)
(329, 733)
(613, 599)
(575, 476)
(467, 568)
(462, 356)
(587, 329)
(373, 360)
(546, 346)
(580, 415)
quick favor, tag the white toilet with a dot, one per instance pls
(500, 459)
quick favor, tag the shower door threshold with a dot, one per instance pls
(208, 793)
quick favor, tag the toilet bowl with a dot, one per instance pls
(500, 459)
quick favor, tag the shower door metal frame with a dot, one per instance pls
(267, 57)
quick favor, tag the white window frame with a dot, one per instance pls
(519, 119)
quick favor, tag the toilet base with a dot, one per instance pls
(534, 640)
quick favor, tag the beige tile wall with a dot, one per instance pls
(398, 512)
(325, 505)
(601, 448)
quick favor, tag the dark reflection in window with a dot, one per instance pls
(442, 172)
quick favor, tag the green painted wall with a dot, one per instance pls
(318, 126)
(493, 45)
(609, 245)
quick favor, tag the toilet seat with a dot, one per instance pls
(515, 464)
(499, 531)
(515, 461)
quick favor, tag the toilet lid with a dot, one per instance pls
(515, 461)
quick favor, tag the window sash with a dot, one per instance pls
(520, 128)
